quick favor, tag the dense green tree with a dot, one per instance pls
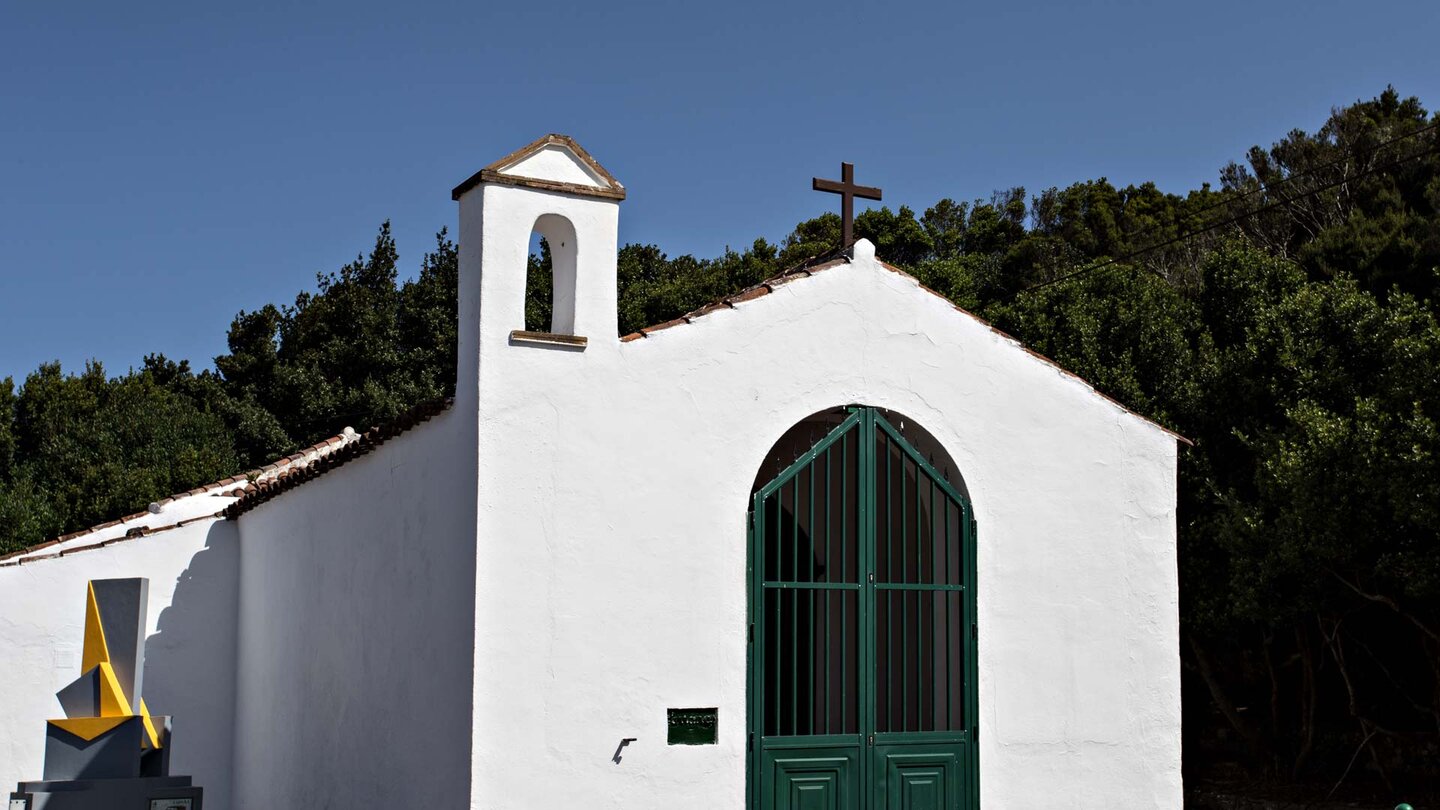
(88, 448)
(1360, 196)
(1128, 333)
(1311, 543)
(7, 428)
(357, 351)
(1286, 321)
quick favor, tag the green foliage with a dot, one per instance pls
(1347, 466)
(7, 428)
(539, 290)
(87, 448)
(1287, 322)
(358, 351)
(1378, 227)
(1128, 333)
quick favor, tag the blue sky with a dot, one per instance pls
(164, 165)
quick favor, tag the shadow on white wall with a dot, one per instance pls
(190, 664)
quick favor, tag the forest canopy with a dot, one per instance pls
(1287, 319)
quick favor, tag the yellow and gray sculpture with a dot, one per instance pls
(109, 751)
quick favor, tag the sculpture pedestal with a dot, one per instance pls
(153, 793)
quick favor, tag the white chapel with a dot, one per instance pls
(828, 543)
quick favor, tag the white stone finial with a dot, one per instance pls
(863, 249)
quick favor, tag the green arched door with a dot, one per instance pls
(862, 677)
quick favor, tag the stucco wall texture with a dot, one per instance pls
(623, 499)
(478, 612)
(315, 652)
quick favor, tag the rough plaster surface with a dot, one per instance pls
(480, 610)
(355, 632)
(315, 652)
(611, 530)
(558, 164)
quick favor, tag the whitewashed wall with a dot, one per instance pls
(190, 666)
(611, 535)
(316, 652)
(356, 628)
(479, 610)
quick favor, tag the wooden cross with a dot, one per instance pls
(848, 191)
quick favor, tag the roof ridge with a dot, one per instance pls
(802, 269)
(834, 258)
(133, 534)
(255, 486)
(287, 472)
(260, 491)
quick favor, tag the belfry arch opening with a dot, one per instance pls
(862, 659)
(550, 276)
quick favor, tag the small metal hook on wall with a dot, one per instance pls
(624, 741)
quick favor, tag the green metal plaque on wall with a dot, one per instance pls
(692, 726)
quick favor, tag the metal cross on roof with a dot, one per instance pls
(848, 191)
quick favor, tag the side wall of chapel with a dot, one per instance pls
(317, 650)
(356, 631)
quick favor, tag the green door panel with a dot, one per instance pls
(918, 777)
(812, 779)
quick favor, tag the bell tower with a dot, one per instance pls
(553, 187)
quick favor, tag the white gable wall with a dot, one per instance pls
(612, 548)
(481, 609)
(556, 163)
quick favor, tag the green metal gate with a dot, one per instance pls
(862, 677)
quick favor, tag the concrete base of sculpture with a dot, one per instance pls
(154, 793)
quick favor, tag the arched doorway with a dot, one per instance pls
(862, 674)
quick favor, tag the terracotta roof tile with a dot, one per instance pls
(284, 474)
(258, 493)
(804, 269)
(816, 264)
(749, 295)
(54, 556)
(260, 485)
(709, 308)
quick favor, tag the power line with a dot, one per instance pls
(1313, 170)
(1230, 221)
